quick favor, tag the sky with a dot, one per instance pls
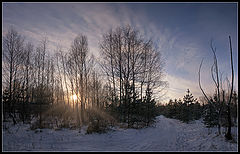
(182, 31)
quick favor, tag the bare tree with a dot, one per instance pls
(107, 47)
(27, 79)
(229, 135)
(69, 72)
(12, 52)
(130, 63)
(218, 106)
(78, 54)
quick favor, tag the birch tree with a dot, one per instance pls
(13, 45)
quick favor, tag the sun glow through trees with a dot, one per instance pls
(74, 97)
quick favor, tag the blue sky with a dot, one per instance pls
(181, 30)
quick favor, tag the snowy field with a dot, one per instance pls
(166, 135)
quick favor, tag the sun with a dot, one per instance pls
(74, 97)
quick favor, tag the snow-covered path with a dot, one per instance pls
(166, 135)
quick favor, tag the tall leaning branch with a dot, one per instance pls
(199, 83)
(217, 77)
(228, 135)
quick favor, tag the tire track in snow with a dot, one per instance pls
(160, 138)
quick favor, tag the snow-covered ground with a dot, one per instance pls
(166, 135)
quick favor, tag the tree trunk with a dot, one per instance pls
(229, 135)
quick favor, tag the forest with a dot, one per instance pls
(71, 89)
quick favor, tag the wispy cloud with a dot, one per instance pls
(182, 37)
(178, 86)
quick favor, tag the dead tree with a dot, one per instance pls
(228, 134)
(216, 80)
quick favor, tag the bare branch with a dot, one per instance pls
(212, 73)
(199, 82)
(230, 97)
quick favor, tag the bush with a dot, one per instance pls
(97, 126)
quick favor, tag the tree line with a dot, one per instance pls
(186, 109)
(69, 86)
(189, 109)
(218, 109)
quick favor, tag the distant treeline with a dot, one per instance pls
(190, 109)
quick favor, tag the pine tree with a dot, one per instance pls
(6, 103)
(188, 103)
(210, 115)
(188, 98)
(196, 111)
(150, 106)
